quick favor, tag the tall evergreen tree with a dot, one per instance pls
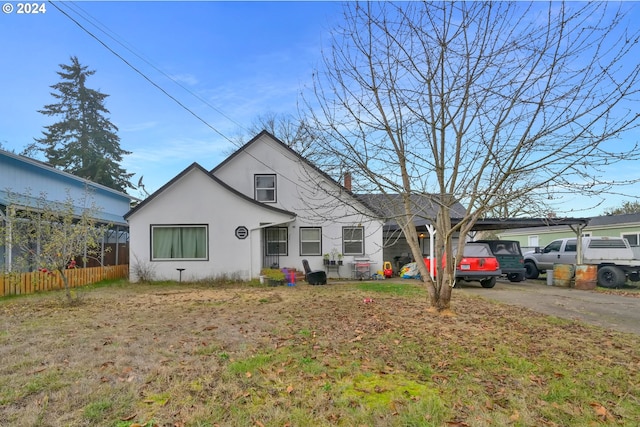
(84, 142)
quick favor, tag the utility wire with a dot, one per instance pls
(295, 180)
(117, 38)
(142, 74)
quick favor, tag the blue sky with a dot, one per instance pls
(244, 58)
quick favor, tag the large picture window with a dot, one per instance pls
(185, 242)
(310, 241)
(265, 188)
(277, 241)
(353, 240)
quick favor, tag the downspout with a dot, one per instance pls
(251, 230)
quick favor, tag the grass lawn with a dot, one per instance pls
(361, 354)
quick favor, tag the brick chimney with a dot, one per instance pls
(347, 180)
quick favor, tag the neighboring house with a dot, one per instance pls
(424, 208)
(627, 226)
(264, 206)
(24, 180)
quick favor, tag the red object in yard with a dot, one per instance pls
(292, 278)
(387, 270)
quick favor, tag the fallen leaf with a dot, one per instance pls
(248, 375)
(600, 410)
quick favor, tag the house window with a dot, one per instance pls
(632, 239)
(184, 242)
(534, 242)
(265, 188)
(353, 240)
(310, 241)
(277, 241)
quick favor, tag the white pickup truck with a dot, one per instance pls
(614, 257)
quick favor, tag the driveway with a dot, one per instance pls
(620, 313)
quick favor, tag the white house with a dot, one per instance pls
(264, 206)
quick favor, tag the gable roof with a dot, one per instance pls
(374, 212)
(196, 166)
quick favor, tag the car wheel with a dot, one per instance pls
(611, 277)
(531, 271)
(515, 277)
(488, 283)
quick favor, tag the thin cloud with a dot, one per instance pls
(188, 79)
(137, 127)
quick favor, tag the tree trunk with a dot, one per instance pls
(67, 289)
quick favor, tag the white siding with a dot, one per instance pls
(300, 190)
(197, 199)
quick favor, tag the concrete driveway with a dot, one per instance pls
(620, 313)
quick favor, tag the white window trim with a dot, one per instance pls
(302, 253)
(344, 242)
(206, 228)
(274, 189)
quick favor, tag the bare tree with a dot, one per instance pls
(292, 131)
(51, 236)
(478, 103)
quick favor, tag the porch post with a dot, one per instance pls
(432, 235)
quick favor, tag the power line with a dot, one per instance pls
(295, 181)
(142, 74)
(117, 38)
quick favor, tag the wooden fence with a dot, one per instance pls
(37, 281)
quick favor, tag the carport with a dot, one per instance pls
(576, 224)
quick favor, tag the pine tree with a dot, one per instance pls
(84, 142)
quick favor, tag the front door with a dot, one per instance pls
(275, 246)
